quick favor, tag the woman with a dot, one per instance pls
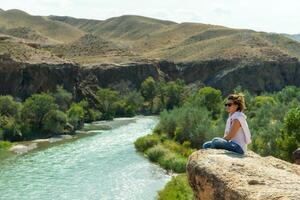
(237, 134)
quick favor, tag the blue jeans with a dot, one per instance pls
(221, 143)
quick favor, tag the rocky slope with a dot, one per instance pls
(216, 174)
(38, 52)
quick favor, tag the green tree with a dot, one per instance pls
(288, 93)
(135, 100)
(11, 129)
(209, 97)
(173, 92)
(35, 108)
(8, 106)
(54, 122)
(107, 99)
(76, 115)
(290, 137)
(148, 90)
(260, 100)
(63, 98)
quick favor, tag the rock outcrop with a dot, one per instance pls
(217, 174)
(23, 79)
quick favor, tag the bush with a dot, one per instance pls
(107, 99)
(5, 145)
(149, 91)
(177, 188)
(182, 149)
(290, 137)
(156, 152)
(76, 115)
(54, 122)
(11, 129)
(211, 98)
(260, 100)
(35, 108)
(174, 92)
(146, 142)
(194, 124)
(8, 106)
(63, 98)
(171, 161)
(168, 121)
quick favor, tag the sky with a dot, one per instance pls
(280, 16)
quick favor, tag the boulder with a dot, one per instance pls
(217, 174)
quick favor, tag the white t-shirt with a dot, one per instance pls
(243, 135)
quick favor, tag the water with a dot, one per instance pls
(102, 166)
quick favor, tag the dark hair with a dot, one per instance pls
(239, 100)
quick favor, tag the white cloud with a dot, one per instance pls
(266, 15)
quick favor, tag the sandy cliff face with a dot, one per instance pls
(216, 174)
(22, 79)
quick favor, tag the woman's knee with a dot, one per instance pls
(218, 142)
(217, 138)
(206, 145)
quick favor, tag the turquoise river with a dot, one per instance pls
(101, 166)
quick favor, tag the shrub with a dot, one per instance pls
(290, 137)
(107, 99)
(76, 115)
(171, 161)
(211, 98)
(35, 108)
(146, 142)
(63, 98)
(11, 129)
(168, 121)
(149, 90)
(260, 100)
(8, 106)
(156, 152)
(181, 149)
(54, 122)
(177, 188)
(5, 145)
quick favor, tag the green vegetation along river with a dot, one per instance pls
(102, 166)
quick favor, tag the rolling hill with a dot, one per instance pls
(16, 20)
(131, 38)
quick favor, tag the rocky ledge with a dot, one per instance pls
(216, 174)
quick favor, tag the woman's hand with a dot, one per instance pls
(225, 137)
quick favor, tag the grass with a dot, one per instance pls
(145, 142)
(172, 156)
(177, 188)
(164, 151)
(4, 145)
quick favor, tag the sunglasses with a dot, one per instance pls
(228, 104)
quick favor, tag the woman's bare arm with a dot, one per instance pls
(234, 128)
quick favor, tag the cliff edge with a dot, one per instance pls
(217, 174)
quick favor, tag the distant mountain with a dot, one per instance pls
(294, 37)
(152, 38)
(96, 50)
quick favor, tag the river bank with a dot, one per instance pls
(88, 129)
(172, 156)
